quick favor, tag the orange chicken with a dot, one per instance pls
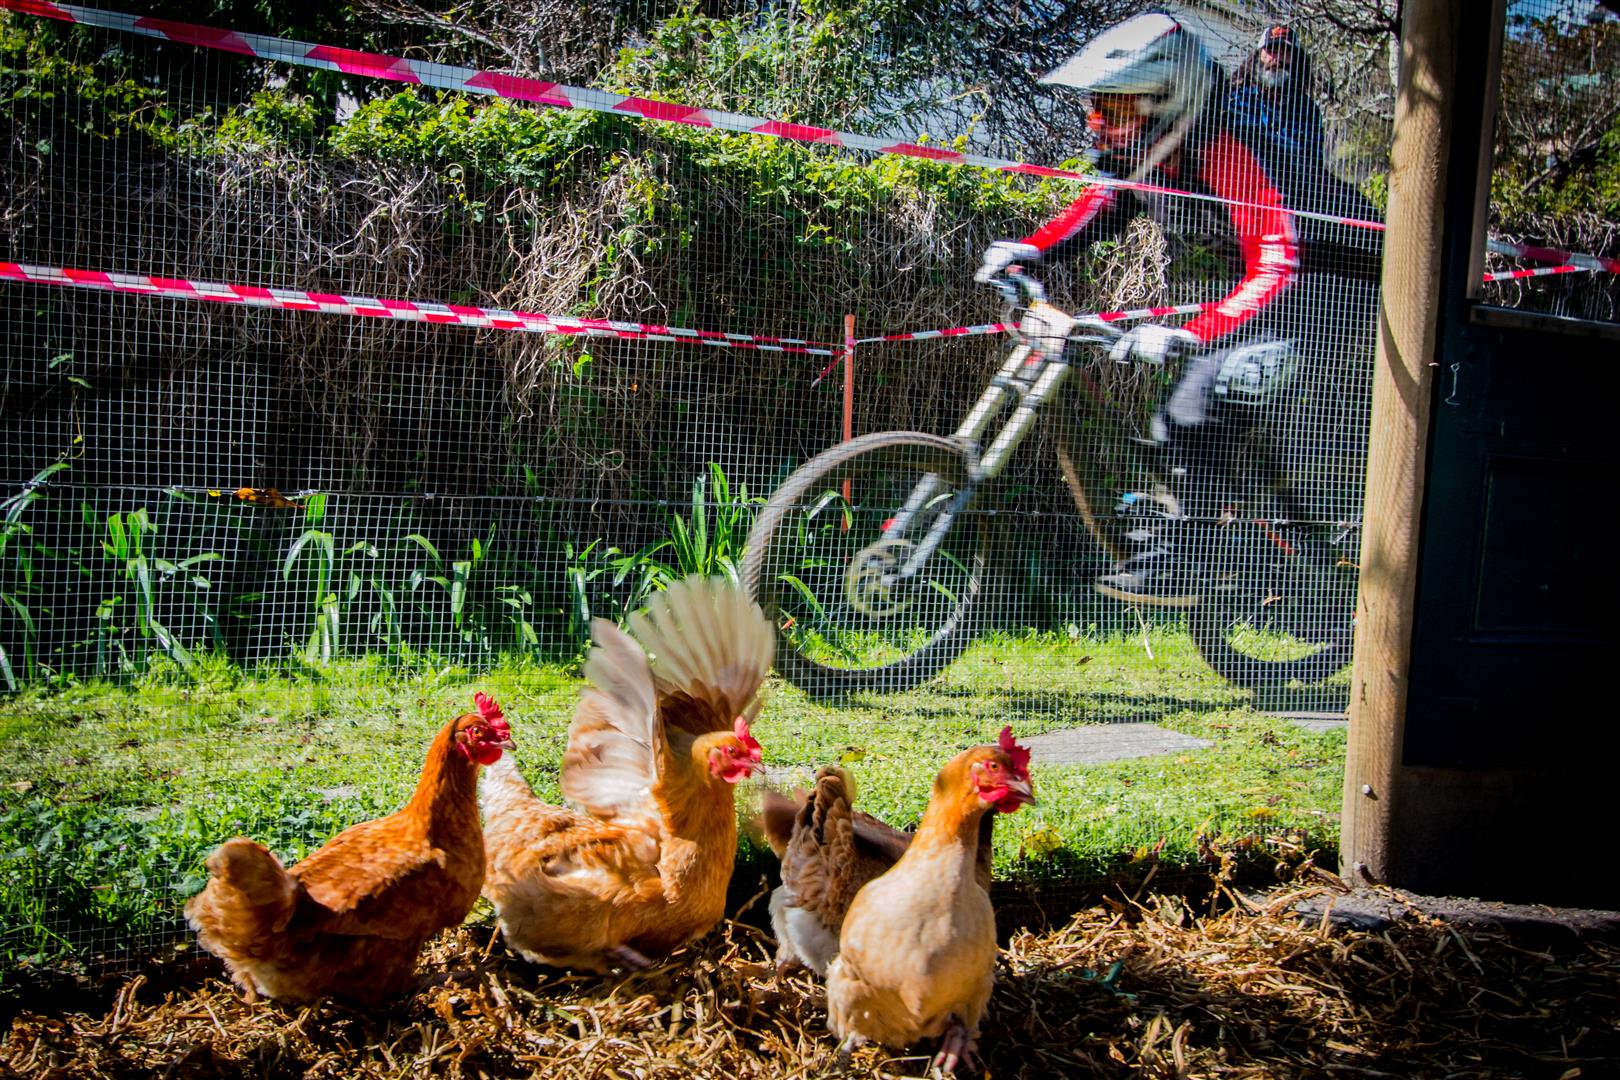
(659, 739)
(828, 851)
(350, 919)
(917, 951)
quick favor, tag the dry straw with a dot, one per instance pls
(1249, 988)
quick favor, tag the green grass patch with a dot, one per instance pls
(112, 796)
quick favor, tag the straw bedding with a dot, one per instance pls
(1244, 986)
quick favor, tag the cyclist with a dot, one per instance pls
(1158, 113)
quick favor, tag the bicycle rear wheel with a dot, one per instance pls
(1276, 606)
(829, 560)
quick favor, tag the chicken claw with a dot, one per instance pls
(630, 958)
(955, 1047)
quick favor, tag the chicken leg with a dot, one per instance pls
(956, 1046)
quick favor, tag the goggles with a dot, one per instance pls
(1115, 119)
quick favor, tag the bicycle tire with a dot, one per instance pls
(1264, 592)
(808, 513)
(1216, 623)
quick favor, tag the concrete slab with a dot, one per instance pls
(1097, 743)
(1315, 721)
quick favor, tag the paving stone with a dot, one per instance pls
(1315, 721)
(1097, 743)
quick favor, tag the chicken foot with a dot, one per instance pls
(956, 1046)
(629, 958)
(852, 1042)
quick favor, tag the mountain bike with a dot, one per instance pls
(874, 557)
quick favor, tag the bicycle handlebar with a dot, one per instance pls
(1019, 290)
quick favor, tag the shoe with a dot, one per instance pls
(1154, 577)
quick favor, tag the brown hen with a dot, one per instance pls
(350, 919)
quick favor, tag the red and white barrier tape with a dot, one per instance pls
(1600, 263)
(923, 335)
(403, 310)
(1535, 271)
(1152, 313)
(1000, 328)
(472, 80)
(532, 322)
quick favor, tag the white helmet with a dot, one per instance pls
(1154, 59)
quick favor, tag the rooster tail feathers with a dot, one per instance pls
(708, 642)
(250, 869)
(615, 741)
(249, 893)
(833, 783)
(781, 816)
(830, 802)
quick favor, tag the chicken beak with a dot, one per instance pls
(507, 744)
(1022, 790)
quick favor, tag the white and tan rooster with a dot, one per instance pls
(658, 741)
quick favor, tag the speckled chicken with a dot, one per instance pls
(828, 851)
(917, 951)
(350, 919)
(659, 739)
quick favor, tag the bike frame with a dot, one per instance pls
(1034, 371)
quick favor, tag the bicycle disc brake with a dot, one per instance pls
(871, 583)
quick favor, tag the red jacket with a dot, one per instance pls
(1222, 166)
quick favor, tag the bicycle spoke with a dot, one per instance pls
(869, 589)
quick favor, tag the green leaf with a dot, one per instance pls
(119, 547)
(426, 545)
(292, 555)
(805, 593)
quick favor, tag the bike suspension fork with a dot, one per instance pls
(1033, 378)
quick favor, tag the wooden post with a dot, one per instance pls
(1409, 323)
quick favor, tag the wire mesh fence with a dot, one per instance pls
(409, 382)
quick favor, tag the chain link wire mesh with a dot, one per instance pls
(254, 558)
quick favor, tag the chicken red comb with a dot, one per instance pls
(751, 744)
(492, 712)
(1018, 754)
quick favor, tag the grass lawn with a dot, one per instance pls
(112, 796)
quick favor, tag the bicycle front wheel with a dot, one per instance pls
(870, 563)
